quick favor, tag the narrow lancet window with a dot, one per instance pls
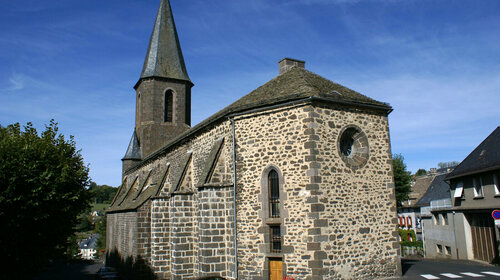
(168, 108)
(275, 239)
(274, 197)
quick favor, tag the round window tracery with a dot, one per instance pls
(353, 147)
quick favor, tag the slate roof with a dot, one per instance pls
(294, 85)
(299, 83)
(90, 242)
(483, 158)
(438, 189)
(128, 199)
(164, 57)
(133, 150)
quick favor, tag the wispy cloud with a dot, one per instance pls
(16, 82)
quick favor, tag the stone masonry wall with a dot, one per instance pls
(216, 232)
(122, 234)
(184, 237)
(143, 242)
(160, 237)
(174, 251)
(354, 234)
(336, 222)
(274, 138)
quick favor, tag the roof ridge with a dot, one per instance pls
(470, 166)
(303, 70)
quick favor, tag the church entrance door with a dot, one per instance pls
(275, 269)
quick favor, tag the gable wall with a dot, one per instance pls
(356, 208)
(336, 223)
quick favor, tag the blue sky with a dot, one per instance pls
(436, 62)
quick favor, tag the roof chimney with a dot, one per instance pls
(287, 63)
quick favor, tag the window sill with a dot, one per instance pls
(274, 255)
(479, 197)
(274, 221)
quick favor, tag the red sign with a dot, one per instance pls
(496, 214)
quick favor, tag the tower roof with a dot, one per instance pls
(133, 150)
(164, 57)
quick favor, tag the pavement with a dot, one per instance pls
(433, 269)
(413, 269)
(78, 270)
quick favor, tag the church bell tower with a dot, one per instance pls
(163, 92)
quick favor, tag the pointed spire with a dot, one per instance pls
(133, 150)
(164, 58)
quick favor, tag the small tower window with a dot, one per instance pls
(274, 194)
(168, 108)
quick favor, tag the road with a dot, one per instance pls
(448, 269)
(82, 270)
(412, 270)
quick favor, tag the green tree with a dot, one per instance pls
(447, 164)
(42, 192)
(102, 193)
(420, 172)
(84, 223)
(402, 178)
(100, 228)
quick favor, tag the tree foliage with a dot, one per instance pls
(421, 172)
(100, 229)
(43, 190)
(102, 193)
(447, 164)
(402, 179)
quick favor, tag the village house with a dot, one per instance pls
(475, 193)
(293, 179)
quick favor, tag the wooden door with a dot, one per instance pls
(275, 270)
(483, 237)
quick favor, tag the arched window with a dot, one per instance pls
(168, 106)
(274, 194)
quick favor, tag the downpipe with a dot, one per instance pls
(234, 202)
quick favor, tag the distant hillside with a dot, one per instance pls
(102, 194)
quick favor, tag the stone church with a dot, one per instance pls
(293, 179)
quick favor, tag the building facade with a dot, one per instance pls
(475, 194)
(409, 213)
(293, 179)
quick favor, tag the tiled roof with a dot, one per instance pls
(422, 183)
(484, 157)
